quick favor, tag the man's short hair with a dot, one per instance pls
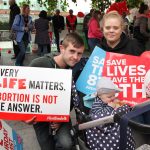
(43, 14)
(70, 11)
(73, 38)
(57, 11)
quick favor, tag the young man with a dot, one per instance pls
(71, 52)
(14, 10)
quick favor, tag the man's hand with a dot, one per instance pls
(55, 126)
(31, 121)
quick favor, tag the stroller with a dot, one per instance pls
(138, 119)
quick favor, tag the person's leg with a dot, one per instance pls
(45, 51)
(93, 42)
(21, 54)
(63, 138)
(16, 50)
(69, 29)
(42, 132)
(39, 50)
(48, 48)
(26, 42)
(86, 37)
(56, 32)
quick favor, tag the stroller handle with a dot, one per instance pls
(97, 122)
(141, 127)
(144, 128)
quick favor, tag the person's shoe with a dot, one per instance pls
(14, 57)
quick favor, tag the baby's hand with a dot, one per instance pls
(116, 103)
(112, 104)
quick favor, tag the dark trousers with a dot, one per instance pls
(62, 140)
(48, 48)
(86, 37)
(93, 42)
(21, 56)
(16, 49)
(57, 37)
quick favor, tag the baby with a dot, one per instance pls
(106, 103)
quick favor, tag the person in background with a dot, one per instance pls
(71, 52)
(114, 39)
(42, 37)
(49, 18)
(94, 31)
(107, 136)
(23, 26)
(71, 21)
(58, 25)
(126, 24)
(141, 26)
(14, 10)
(85, 23)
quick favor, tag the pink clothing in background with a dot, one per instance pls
(94, 30)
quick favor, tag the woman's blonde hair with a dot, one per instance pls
(113, 14)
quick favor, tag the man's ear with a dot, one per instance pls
(61, 48)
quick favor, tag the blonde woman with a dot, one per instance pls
(114, 39)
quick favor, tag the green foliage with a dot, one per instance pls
(64, 5)
(132, 3)
(101, 4)
(4, 25)
(51, 5)
(24, 2)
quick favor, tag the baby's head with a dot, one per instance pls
(106, 90)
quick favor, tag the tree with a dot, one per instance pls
(51, 5)
(132, 3)
(24, 2)
(101, 5)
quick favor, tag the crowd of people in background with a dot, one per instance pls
(108, 31)
(92, 28)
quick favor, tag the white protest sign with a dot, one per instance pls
(31, 91)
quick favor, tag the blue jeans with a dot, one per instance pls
(21, 55)
(93, 42)
(61, 141)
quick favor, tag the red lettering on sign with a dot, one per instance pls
(13, 82)
(21, 84)
(1, 125)
(1, 143)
